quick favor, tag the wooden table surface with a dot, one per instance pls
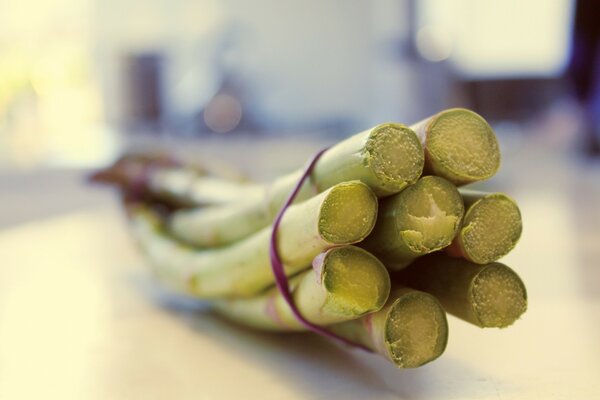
(80, 318)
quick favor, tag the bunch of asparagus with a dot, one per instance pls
(379, 244)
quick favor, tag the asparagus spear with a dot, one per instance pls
(491, 227)
(459, 146)
(423, 218)
(387, 158)
(490, 295)
(410, 330)
(160, 177)
(343, 214)
(187, 187)
(350, 282)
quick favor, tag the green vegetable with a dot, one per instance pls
(423, 218)
(490, 295)
(387, 158)
(491, 227)
(346, 283)
(343, 214)
(410, 330)
(459, 146)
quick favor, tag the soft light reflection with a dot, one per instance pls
(53, 310)
(537, 250)
(48, 326)
(50, 106)
(434, 43)
(223, 113)
(500, 38)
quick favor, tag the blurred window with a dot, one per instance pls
(490, 39)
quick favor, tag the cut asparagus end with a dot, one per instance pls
(416, 330)
(346, 283)
(356, 281)
(347, 199)
(498, 296)
(492, 227)
(487, 296)
(395, 155)
(430, 215)
(461, 146)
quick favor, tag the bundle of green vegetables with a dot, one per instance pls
(378, 245)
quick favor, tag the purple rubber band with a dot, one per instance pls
(281, 279)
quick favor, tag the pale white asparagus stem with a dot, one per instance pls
(423, 218)
(160, 177)
(459, 145)
(345, 283)
(490, 295)
(387, 158)
(186, 186)
(343, 214)
(491, 227)
(410, 330)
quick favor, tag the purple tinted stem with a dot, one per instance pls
(140, 183)
(281, 279)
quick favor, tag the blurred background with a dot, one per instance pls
(78, 78)
(259, 86)
(81, 81)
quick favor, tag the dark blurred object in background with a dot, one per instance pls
(584, 70)
(143, 105)
(516, 99)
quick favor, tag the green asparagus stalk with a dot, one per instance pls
(410, 330)
(459, 146)
(346, 283)
(187, 187)
(490, 295)
(223, 225)
(387, 158)
(423, 218)
(491, 227)
(159, 177)
(343, 214)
